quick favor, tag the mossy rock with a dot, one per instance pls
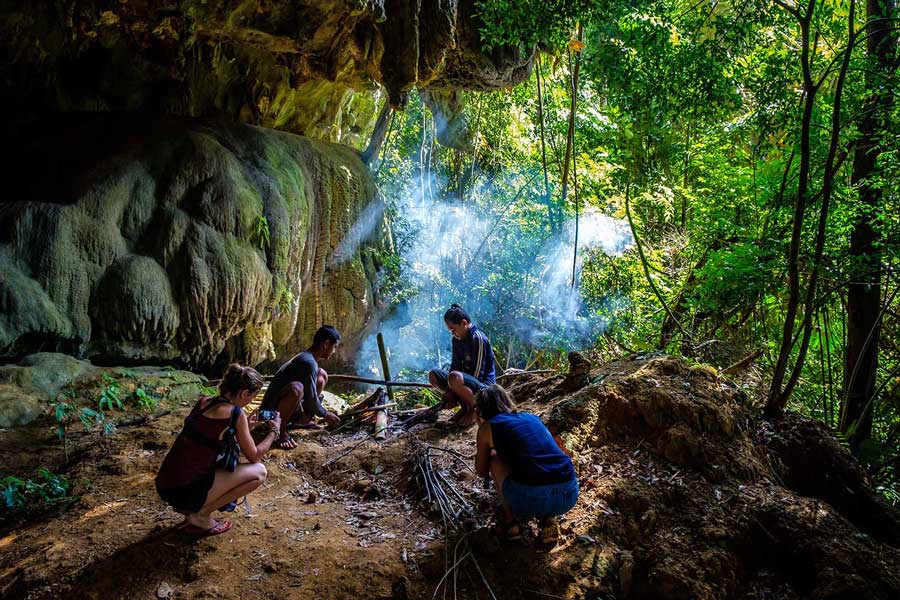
(183, 241)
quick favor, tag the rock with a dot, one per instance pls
(333, 402)
(578, 364)
(214, 242)
(312, 497)
(17, 407)
(164, 591)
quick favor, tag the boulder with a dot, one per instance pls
(194, 242)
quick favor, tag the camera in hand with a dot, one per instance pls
(267, 415)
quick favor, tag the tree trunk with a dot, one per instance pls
(774, 406)
(570, 135)
(540, 94)
(379, 133)
(864, 291)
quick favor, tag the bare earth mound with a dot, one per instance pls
(685, 494)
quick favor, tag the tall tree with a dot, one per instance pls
(864, 290)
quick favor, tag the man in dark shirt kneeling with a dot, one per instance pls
(296, 390)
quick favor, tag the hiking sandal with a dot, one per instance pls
(549, 531)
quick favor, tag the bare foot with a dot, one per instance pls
(199, 521)
(285, 442)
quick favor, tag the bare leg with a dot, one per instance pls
(448, 398)
(466, 414)
(321, 381)
(227, 487)
(499, 472)
(435, 383)
(288, 406)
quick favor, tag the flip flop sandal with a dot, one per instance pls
(198, 532)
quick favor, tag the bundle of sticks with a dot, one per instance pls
(444, 496)
(439, 491)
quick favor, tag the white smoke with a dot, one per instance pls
(444, 250)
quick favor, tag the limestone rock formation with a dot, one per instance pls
(310, 66)
(127, 238)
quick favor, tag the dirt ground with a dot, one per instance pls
(684, 495)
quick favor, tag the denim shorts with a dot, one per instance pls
(473, 384)
(526, 501)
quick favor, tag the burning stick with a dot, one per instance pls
(381, 419)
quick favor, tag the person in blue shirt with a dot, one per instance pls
(532, 475)
(471, 366)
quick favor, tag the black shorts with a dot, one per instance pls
(473, 384)
(190, 496)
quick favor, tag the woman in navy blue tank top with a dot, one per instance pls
(533, 477)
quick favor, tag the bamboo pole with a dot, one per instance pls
(385, 368)
(339, 377)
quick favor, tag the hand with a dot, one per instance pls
(275, 424)
(331, 419)
(253, 419)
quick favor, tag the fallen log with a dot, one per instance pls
(421, 416)
(743, 363)
(141, 420)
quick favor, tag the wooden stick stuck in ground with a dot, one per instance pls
(381, 419)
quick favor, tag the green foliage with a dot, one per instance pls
(109, 396)
(284, 300)
(44, 489)
(145, 401)
(696, 109)
(261, 235)
(530, 22)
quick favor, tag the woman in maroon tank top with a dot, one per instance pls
(190, 480)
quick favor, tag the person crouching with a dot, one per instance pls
(200, 473)
(532, 475)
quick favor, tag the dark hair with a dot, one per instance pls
(239, 378)
(494, 400)
(326, 333)
(455, 314)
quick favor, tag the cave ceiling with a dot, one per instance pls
(316, 68)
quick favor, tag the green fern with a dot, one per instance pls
(263, 239)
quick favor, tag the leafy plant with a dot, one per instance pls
(46, 488)
(65, 411)
(109, 397)
(283, 300)
(12, 490)
(145, 401)
(262, 235)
